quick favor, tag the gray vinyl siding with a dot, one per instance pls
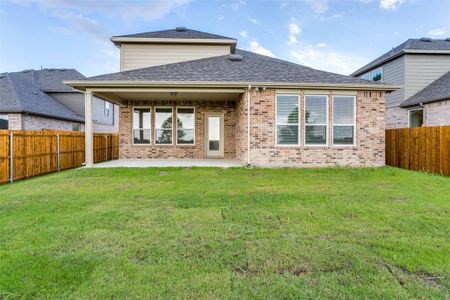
(75, 101)
(423, 69)
(394, 73)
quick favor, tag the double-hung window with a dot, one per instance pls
(316, 119)
(163, 125)
(287, 116)
(141, 125)
(185, 125)
(344, 120)
(107, 108)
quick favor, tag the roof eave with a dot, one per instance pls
(21, 111)
(117, 40)
(424, 101)
(86, 84)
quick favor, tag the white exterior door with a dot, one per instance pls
(214, 135)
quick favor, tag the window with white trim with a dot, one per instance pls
(163, 125)
(344, 120)
(316, 119)
(141, 125)
(185, 125)
(287, 119)
(415, 118)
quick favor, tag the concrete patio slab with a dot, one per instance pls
(158, 163)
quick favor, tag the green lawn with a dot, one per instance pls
(226, 233)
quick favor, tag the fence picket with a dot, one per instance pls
(421, 149)
(39, 152)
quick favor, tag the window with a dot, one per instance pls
(163, 125)
(185, 126)
(415, 118)
(107, 108)
(377, 74)
(344, 120)
(287, 119)
(366, 76)
(76, 127)
(141, 125)
(316, 117)
(4, 121)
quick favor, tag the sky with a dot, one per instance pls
(334, 35)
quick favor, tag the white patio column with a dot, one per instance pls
(88, 134)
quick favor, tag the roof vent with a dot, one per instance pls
(447, 39)
(235, 57)
(35, 92)
(425, 39)
(2, 76)
(27, 71)
(181, 29)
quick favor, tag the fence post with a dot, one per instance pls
(106, 148)
(58, 152)
(11, 157)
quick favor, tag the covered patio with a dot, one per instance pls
(186, 127)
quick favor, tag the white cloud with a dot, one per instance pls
(257, 48)
(252, 20)
(319, 6)
(236, 5)
(390, 4)
(244, 34)
(438, 32)
(321, 45)
(324, 58)
(294, 31)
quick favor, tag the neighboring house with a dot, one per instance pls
(413, 65)
(38, 99)
(185, 94)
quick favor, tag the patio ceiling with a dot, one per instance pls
(119, 95)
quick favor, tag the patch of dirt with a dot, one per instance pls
(398, 198)
(429, 279)
(296, 271)
(163, 173)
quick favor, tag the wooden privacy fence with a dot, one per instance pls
(34, 153)
(420, 149)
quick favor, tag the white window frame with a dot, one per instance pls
(132, 126)
(415, 109)
(155, 128)
(326, 125)
(287, 124)
(176, 125)
(373, 71)
(354, 122)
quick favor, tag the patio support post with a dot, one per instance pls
(249, 160)
(11, 157)
(88, 135)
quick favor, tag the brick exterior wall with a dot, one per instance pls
(129, 150)
(396, 117)
(437, 113)
(31, 122)
(370, 127)
(368, 151)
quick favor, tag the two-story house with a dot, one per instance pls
(38, 99)
(186, 94)
(415, 65)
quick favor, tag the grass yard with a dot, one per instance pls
(226, 233)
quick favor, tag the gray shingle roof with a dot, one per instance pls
(252, 68)
(174, 34)
(411, 44)
(435, 91)
(51, 80)
(20, 93)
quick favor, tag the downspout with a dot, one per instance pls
(249, 161)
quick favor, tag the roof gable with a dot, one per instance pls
(435, 91)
